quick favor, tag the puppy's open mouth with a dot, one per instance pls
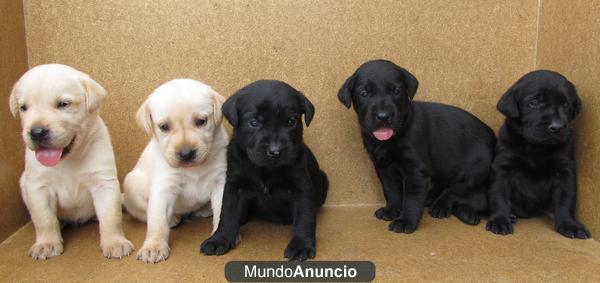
(383, 134)
(51, 156)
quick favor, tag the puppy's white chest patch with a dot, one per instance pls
(193, 195)
(75, 203)
(71, 193)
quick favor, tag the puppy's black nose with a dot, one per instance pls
(39, 134)
(383, 116)
(274, 150)
(186, 154)
(556, 127)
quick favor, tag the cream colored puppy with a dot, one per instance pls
(183, 166)
(70, 171)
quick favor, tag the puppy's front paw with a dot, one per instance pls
(300, 249)
(44, 250)
(466, 214)
(438, 210)
(119, 247)
(153, 252)
(206, 211)
(500, 226)
(387, 213)
(401, 225)
(573, 229)
(216, 246)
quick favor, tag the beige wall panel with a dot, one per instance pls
(13, 63)
(463, 52)
(569, 42)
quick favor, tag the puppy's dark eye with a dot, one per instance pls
(23, 108)
(533, 103)
(200, 122)
(291, 122)
(63, 104)
(253, 123)
(364, 93)
(398, 90)
(164, 127)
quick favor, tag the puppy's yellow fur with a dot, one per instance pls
(180, 114)
(84, 182)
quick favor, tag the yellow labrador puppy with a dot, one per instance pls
(183, 166)
(70, 171)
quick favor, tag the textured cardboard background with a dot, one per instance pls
(13, 62)
(569, 42)
(464, 53)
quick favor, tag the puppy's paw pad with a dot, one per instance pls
(45, 250)
(117, 248)
(439, 211)
(500, 227)
(215, 246)
(387, 213)
(402, 226)
(467, 215)
(154, 252)
(300, 250)
(574, 230)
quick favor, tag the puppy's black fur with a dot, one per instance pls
(437, 152)
(534, 168)
(271, 173)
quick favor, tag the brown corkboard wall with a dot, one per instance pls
(569, 42)
(464, 53)
(13, 63)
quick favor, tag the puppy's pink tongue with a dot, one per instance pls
(48, 156)
(383, 134)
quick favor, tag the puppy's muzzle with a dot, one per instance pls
(186, 154)
(556, 126)
(39, 135)
(274, 150)
(383, 116)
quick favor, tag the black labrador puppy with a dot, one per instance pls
(534, 168)
(423, 152)
(271, 173)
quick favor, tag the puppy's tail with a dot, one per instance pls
(324, 186)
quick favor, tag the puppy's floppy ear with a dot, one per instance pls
(577, 107)
(345, 92)
(576, 101)
(229, 109)
(217, 105)
(307, 107)
(13, 100)
(144, 118)
(508, 104)
(412, 84)
(94, 93)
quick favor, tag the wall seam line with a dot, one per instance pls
(537, 35)
(25, 13)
